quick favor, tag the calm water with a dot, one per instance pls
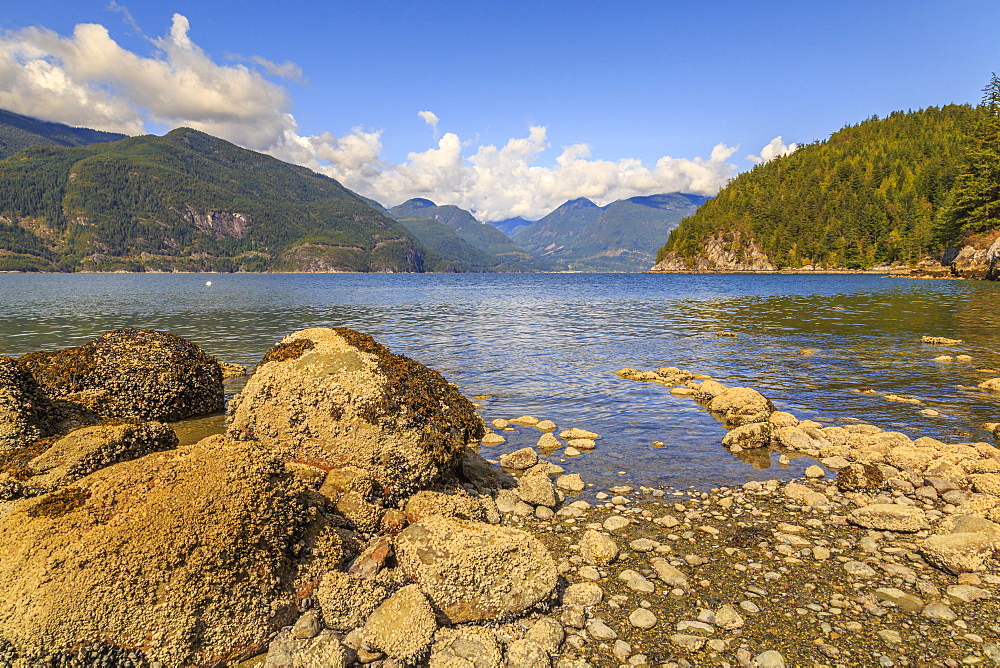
(548, 344)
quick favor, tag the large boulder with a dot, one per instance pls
(473, 571)
(132, 373)
(22, 407)
(336, 398)
(192, 553)
(741, 405)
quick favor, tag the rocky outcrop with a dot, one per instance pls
(132, 373)
(728, 251)
(336, 398)
(192, 553)
(978, 258)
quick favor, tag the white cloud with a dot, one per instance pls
(286, 70)
(429, 117)
(774, 149)
(88, 79)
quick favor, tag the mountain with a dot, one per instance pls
(510, 226)
(457, 255)
(622, 236)
(19, 132)
(188, 201)
(484, 237)
(872, 194)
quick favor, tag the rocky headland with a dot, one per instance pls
(977, 258)
(346, 517)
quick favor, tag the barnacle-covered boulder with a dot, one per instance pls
(22, 407)
(337, 398)
(191, 554)
(473, 571)
(132, 373)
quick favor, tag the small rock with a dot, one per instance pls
(525, 652)
(688, 642)
(598, 549)
(968, 593)
(493, 439)
(570, 483)
(727, 618)
(890, 636)
(770, 659)
(574, 433)
(519, 460)
(889, 517)
(641, 618)
(859, 569)
(939, 611)
(598, 629)
(815, 472)
(307, 626)
(583, 595)
(545, 425)
(616, 523)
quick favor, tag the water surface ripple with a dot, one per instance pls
(548, 344)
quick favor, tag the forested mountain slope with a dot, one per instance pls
(19, 132)
(880, 192)
(188, 201)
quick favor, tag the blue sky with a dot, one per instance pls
(625, 86)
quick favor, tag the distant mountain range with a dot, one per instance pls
(622, 236)
(73, 199)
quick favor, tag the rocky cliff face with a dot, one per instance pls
(723, 252)
(978, 258)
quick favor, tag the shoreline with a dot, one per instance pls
(834, 569)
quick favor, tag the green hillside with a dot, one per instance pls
(19, 132)
(622, 236)
(457, 255)
(188, 201)
(874, 193)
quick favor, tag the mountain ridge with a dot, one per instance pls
(188, 201)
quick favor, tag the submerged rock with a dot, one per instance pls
(132, 373)
(337, 397)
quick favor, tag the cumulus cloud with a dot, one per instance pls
(88, 79)
(774, 149)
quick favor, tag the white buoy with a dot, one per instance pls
(208, 283)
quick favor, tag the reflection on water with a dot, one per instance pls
(548, 344)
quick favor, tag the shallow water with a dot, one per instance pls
(548, 344)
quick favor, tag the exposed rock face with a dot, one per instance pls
(728, 251)
(132, 373)
(337, 398)
(473, 571)
(190, 552)
(22, 407)
(979, 258)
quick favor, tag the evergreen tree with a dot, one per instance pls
(975, 198)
